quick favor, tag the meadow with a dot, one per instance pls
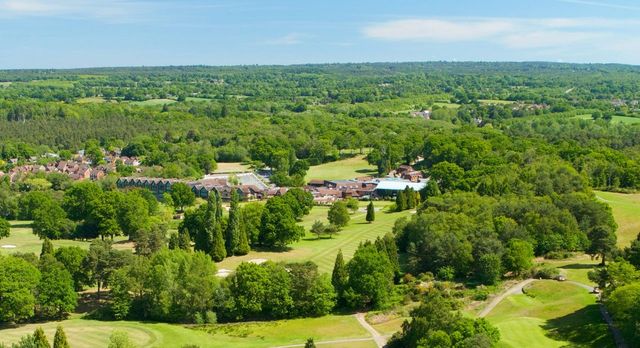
(153, 102)
(341, 170)
(323, 251)
(626, 212)
(25, 241)
(615, 119)
(551, 314)
(84, 333)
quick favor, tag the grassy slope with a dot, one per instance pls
(552, 314)
(90, 333)
(626, 211)
(27, 242)
(323, 251)
(344, 169)
(575, 268)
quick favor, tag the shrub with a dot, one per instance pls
(545, 272)
(446, 273)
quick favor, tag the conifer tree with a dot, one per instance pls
(173, 241)
(40, 339)
(212, 222)
(184, 242)
(310, 343)
(60, 339)
(371, 213)
(47, 247)
(340, 275)
(232, 235)
(400, 201)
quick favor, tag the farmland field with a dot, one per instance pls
(91, 333)
(626, 211)
(341, 170)
(551, 314)
(323, 251)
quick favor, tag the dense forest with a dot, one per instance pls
(513, 152)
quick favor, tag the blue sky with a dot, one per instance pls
(87, 33)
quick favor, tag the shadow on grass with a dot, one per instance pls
(583, 328)
(21, 225)
(578, 266)
(311, 239)
(273, 249)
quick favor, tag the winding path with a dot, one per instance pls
(517, 289)
(380, 340)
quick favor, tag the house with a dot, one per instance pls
(316, 182)
(413, 176)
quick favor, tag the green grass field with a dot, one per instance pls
(446, 105)
(25, 241)
(323, 251)
(341, 170)
(91, 333)
(576, 268)
(494, 101)
(615, 119)
(235, 167)
(551, 314)
(51, 83)
(89, 100)
(154, 102)
(626, 211)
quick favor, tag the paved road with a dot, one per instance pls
(517, 289)
(380, 340)
(347, 340)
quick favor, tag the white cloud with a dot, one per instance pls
(602, 4)
(437, 29)
(100, 9)
(287, 40)
(514, 33)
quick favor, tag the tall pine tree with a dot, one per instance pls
(212, 222)
(371, 213)
(232, 240)
(184, 242)
(400, 201)
(339, 277)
